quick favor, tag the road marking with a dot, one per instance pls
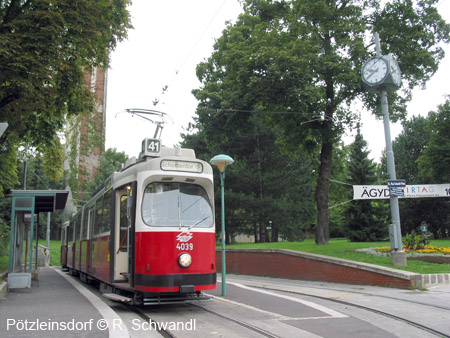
(318, 307)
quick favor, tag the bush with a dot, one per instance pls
(4, 238)
(413, 241)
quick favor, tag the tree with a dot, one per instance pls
(363, 222)
(421, 156)
(434, 162)
(46, 46)
(263, 187)
(340, 190)
(37, 178)
(408, 147)
(110, 161)
(303, 58)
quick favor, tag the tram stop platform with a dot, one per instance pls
(57, 306)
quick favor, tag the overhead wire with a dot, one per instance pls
(179, 69)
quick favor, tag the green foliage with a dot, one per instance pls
(434, 163)
(263, 185)
(45, 49)
(422, 157)
(110, 161)
(414, 242)
(4, 237)
(8, 167)
(299, 62)
(340, 191)
(364, 219)
(85, 144)
(408, 147)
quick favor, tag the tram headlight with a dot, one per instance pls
(185, 260)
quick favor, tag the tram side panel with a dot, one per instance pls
(100, 257)
(84, 255)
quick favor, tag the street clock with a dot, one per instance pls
(381, 72)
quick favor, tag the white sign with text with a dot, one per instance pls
(371, 192)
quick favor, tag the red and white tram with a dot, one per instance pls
(148, 235)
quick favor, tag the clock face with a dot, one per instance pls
(374, 71)
(395, 73)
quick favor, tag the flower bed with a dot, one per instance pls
(429, 253)
(428, 249)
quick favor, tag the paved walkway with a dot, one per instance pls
(57, 307)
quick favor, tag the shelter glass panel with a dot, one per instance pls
(23, 202)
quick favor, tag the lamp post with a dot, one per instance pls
(221, 161)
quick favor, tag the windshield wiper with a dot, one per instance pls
(204, 219)
(180, 221)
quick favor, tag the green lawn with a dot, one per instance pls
(55, 255)
(55, 251)
(342, 248)
(4, 261)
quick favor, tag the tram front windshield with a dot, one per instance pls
(176, 204)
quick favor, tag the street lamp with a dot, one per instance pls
(221, 161)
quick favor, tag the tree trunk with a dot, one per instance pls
(263, 237)
(322, 194)
(255, 232)
(262, 232)
(274, 233)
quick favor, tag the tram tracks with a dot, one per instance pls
(168, 334)
(157, 326)
(233, 318)
(239, 322)
(378, 312)
(447, 308)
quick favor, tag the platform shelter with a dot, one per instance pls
(26, 205)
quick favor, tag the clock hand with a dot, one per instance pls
(372, 71)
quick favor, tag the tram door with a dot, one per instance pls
(122, 235)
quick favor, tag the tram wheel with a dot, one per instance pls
(138, 298)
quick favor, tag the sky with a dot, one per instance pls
(157, 64)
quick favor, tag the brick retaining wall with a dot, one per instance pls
(305, 266)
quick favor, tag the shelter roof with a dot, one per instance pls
(45, 200)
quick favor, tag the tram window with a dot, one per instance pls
(70, 232)
(106, 214)
(84, 226)
(78, 227)
(98, 216)
(63, 236)
(176, 204)
(123, 222)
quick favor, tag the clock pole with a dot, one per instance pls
(398, 256)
